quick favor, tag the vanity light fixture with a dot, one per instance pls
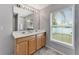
(28, 21)
(27, 8)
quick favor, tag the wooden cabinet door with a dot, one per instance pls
(32, 44)
(17, 49)
(27, 47)
(21, 48)
(38, 42)
(43, 39)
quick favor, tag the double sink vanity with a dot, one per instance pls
(26, 30)
(28, 42)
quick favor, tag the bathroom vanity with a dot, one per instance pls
(26, 25)
(29, 42)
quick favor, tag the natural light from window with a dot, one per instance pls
(61, 26)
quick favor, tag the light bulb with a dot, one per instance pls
(28, 20)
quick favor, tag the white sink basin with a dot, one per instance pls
(18, 34)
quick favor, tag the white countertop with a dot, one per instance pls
(18, 34)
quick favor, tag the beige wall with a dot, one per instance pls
(6, 41)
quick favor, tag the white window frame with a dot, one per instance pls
(73, 29)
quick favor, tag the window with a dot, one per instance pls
(61, 26)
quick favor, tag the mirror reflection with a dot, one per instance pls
(24, 18)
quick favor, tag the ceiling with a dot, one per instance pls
(39, 6)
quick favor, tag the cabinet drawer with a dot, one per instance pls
(31, 37)
(41, 34)
(20, 40)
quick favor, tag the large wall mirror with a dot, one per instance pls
(25, 17)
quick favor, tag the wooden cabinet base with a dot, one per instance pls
(30, 44)
(41, 40)
(22, 48)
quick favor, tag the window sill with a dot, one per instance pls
(71, 46)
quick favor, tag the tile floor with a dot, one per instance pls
(46, 51)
